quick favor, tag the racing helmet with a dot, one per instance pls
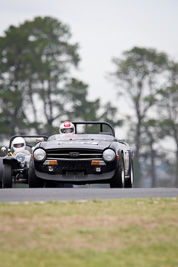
(18, 144)
(67, 127)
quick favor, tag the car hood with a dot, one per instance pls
(76, 144)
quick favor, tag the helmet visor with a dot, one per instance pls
(18, 145)
(67, 130)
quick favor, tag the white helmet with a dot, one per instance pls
(18, 144)
(67, 127)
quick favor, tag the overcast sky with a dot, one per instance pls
(103, 29)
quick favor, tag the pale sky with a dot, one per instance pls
(103, 29)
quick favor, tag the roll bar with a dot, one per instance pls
(101, 123)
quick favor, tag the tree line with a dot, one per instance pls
(148, 80)
(38, 91)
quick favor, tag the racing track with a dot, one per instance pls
(81, 194)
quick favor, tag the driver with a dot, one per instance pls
(67, 127)
(19, 144)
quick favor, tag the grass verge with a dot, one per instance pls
(129, 232)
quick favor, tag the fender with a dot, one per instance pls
(1, 170)
(120, 154)
(9, 160)
(130, 160)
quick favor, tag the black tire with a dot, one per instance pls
(130, 181)
(7, 176)
(33, 180)
(118, 180)
(1, 171)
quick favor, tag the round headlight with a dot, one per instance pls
(39, 154)
(20, 157)
(109, 155)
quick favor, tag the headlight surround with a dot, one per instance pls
(20, 157)
(109, 155)
(39, 154)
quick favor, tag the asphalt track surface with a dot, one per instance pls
(16, 195)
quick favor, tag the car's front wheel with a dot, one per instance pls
(33, 180)
(7, 176)
(118, 180)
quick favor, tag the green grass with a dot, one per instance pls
(124, 233)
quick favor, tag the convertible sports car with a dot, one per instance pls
(83, 158)
(14, 166)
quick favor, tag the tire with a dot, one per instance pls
(118, 180)
(7, 176)
(33, 180)
(1, 171)
(130, 181)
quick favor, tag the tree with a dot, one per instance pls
(138, 78)
(168, 110)
(37, 57)
(37, 90)
(152, 151)
(12, 117)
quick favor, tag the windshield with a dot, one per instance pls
(99, 137)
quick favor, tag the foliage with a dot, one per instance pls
(142, 76)
(37, 90)
(168, 110)
(37, 57)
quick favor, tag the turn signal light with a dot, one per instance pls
(95, 163)
(52, 162)
(98, 162)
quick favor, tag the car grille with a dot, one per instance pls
(74, 162)
(74, 154)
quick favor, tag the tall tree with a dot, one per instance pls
(36, 59)
(152, 152)
(12, 117)
(37, 56)
(137, 75)
(168, 110)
